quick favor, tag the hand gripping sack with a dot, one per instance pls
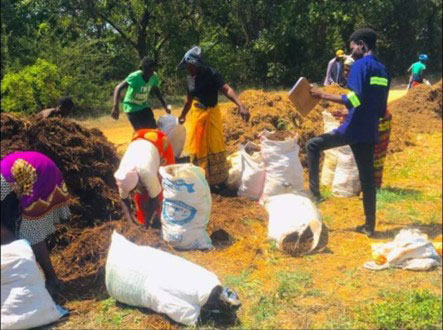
(25, 302)
(146, 277)
(176, 133)
(346, 181)
(252, 172)
(186, 207)
(295, 224)
(284, 172)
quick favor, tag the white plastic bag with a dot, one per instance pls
(284, 172)
(146, 277)
(176, 133)
(234, 177)
(25, 302)
(252, 172)
(410, 250)
(291, 213)
(186, 207)
(346, 181)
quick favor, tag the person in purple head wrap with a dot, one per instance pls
(33, 197)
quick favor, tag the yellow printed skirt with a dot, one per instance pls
(205, 142)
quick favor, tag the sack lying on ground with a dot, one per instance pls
(146, 277)
(252, 171)
(295, 224)
(284, 172)
(25, 302)
(176, 133)
(410, 249)
(234, 177)
(186, 207)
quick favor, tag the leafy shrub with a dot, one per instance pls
(31, 89)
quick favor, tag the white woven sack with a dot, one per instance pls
(234, 177)
(146, 277)
(284, 172)
(346, 181)
(290, 213)
(25, 302)
(176, 133)
(252, 172)
(186, 206)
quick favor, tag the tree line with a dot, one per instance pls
(83, 48)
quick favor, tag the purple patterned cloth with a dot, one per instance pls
(36, 180)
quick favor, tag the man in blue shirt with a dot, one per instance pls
(366, 102)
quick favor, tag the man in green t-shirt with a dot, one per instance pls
(140, 84)
(416, 70)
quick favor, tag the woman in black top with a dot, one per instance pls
(205, 141)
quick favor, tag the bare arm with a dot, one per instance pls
(157, 93)
(230, 94)
(186, 108)
(117, 91)
(328, 97)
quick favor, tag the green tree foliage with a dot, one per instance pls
(32, 88)
(254, 43)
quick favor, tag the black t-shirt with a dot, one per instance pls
(205, 86)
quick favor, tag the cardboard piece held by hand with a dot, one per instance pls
(301, 97)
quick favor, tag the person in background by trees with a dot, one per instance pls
(34, 197)
(416, 70)
(366, 102)
(62, 109)
(140, 84)
(334, 72)
(205, 140)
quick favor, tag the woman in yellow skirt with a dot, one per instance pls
(205, 140)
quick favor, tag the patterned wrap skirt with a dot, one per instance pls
(205, 142)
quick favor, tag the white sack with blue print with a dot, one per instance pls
(186, 207)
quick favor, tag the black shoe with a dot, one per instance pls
(317, 198)
(365, 230)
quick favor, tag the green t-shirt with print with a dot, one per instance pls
(417, 68)
(136, 97)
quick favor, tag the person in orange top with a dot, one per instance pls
(138, 170)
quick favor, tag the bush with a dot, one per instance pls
(32, 89)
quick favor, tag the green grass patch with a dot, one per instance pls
(391, 195)
(265, 309)
(410, 310)
(291, 283)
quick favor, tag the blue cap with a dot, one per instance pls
(423, 57)
(193, 56)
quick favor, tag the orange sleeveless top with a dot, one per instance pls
(160, 141)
